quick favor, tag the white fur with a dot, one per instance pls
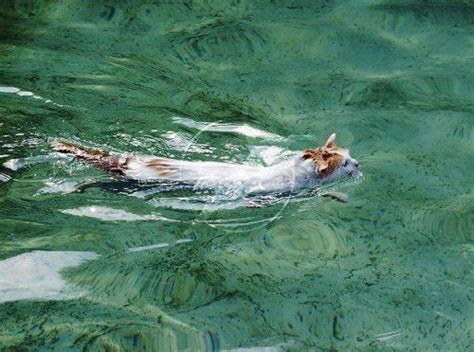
(232, 179)
(286, 176)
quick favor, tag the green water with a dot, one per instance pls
(392, 269)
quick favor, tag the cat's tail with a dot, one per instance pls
(95, 157)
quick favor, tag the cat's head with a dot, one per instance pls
(331, 161)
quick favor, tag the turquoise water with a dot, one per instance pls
(121, 267)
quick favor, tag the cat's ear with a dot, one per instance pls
(330, 142)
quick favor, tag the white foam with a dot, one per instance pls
(37, 275)
(111, 214)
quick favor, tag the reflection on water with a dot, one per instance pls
(91, 263)
(36, 276)
(110, 214)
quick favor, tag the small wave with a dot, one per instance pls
(17, 164)
(158, 245)
(112, 214)
(244, 130)
(208, 204)
(24, 93)
(4, 177)
(59, 186)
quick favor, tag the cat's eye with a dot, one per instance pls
(345, 163)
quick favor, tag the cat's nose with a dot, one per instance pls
(356, 163)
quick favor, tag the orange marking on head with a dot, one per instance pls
(327, 158)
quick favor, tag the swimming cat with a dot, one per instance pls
(309, 170)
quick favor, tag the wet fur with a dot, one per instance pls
(107, 162)
(313, 167)
(97, 158)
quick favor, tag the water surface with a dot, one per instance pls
(121, 267)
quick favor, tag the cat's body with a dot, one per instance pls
(282, 177)
(313, 167)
